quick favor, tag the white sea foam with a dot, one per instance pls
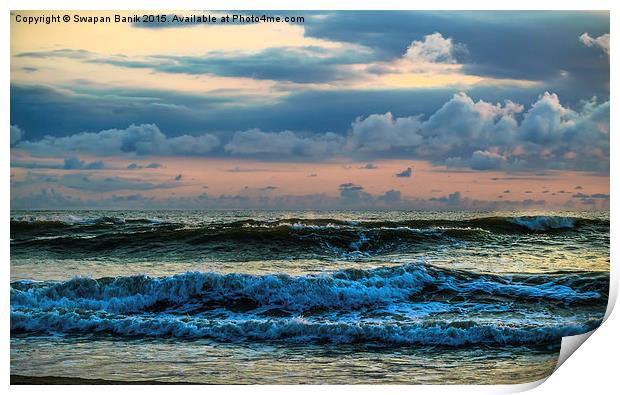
(543, 222)
(447, 333)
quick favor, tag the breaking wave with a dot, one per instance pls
(414, 303)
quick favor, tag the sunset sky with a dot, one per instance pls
(409, 110)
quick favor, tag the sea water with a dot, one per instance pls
(303, 297)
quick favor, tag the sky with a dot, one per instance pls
(345, 110)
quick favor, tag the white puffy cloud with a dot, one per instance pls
(433, 54)
(601, 41)
(433, 48)
(461, 133)
(547, 120)
(486, 136)
(383, 132)
(145, 139)
(286, 143)
(463, 126)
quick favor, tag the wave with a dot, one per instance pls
(278, 238)
(63, 222)
(507, 224)
(346, 289)
(442, 333)
(414, 303)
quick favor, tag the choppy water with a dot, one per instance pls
(262, 297)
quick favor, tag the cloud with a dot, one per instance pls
(546, 121)
(433, 54)
(391, 196)
(596, 199)
(593, 196)
(453, 199)
(601, 41)
(460, 133)
(288, 143)
(353, 194)
(433, 48)
(16, 134)
(58, 53)
(496, 41)
(485, 160)
(405, 173)
(35, 165)
(153, 165)
(107, 184)
(307, 64)
(383, 133)
(145, 139)
(74, 163)
(90, 183)
(487, 136)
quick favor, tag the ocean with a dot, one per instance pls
(287, 297)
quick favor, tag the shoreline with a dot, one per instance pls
(18, 379)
